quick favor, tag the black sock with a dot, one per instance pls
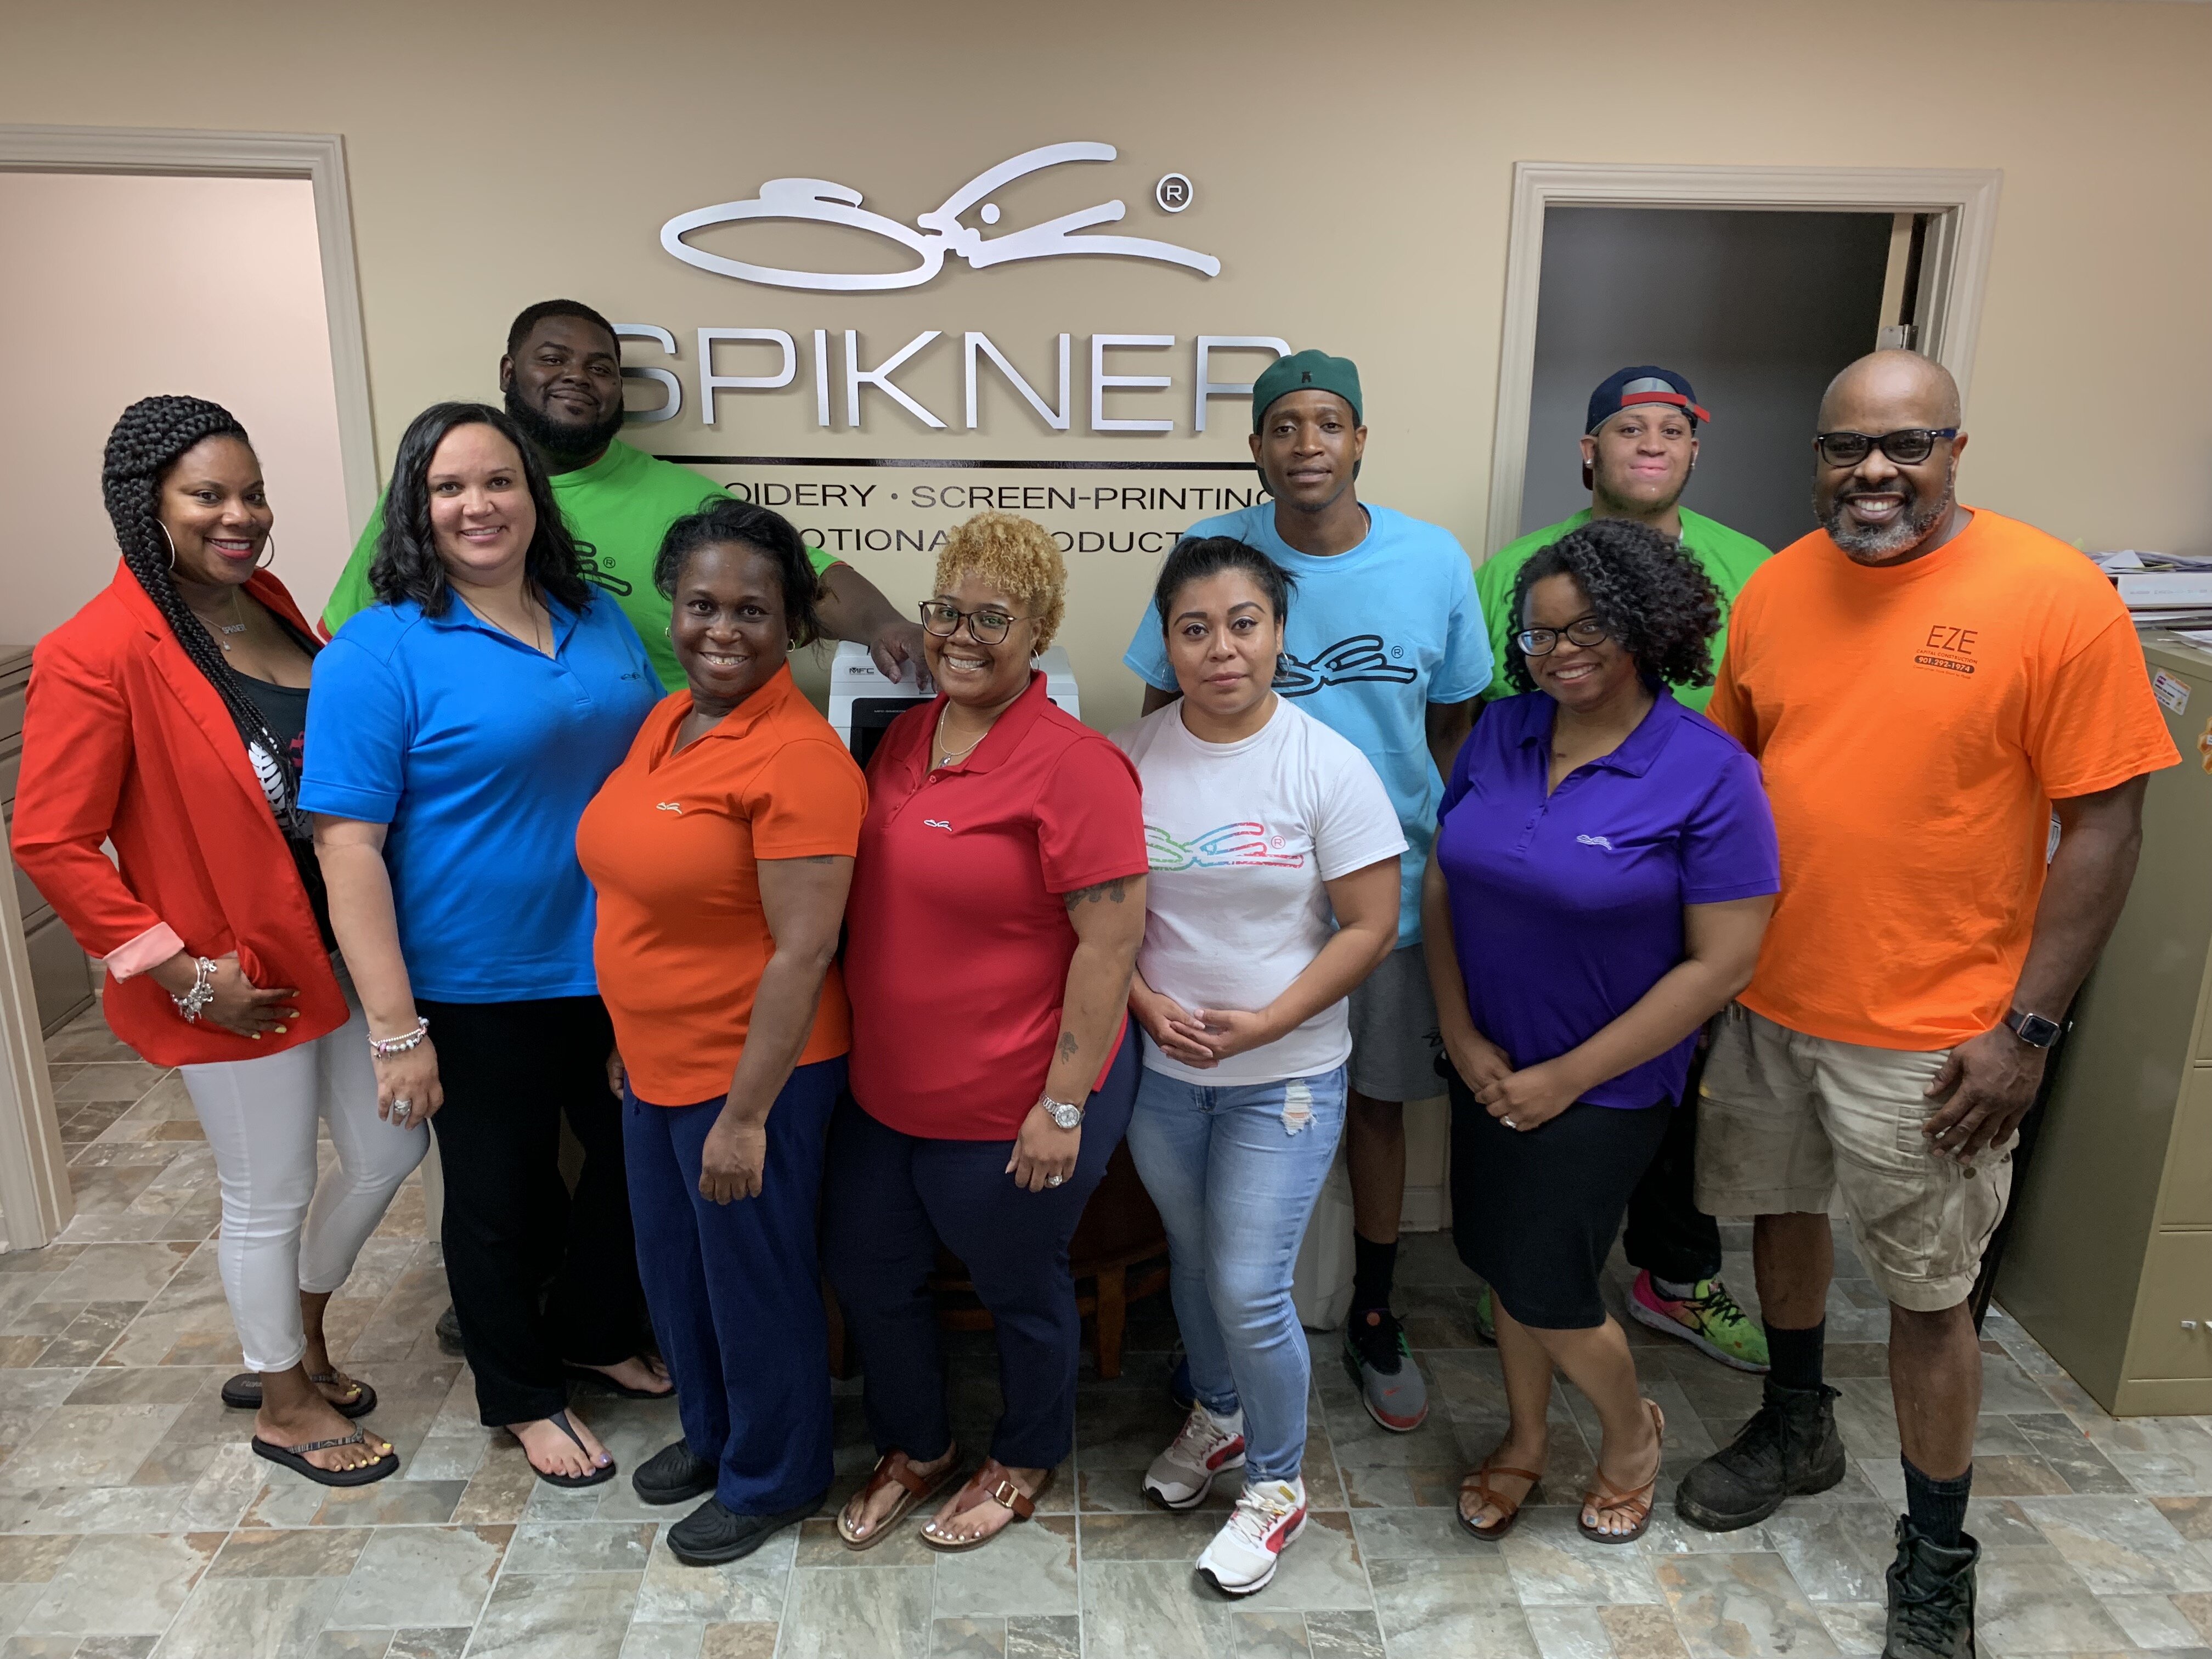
(1793, 1358)
(1937, 1509)
(1372, 1267)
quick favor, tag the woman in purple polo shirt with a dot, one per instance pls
(1603, 869)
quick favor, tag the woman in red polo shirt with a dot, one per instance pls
(997, 906)
(721, 848)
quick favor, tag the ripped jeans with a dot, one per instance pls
(1234, 1172)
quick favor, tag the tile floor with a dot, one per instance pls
(134, 1522)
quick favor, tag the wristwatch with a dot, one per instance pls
(2033, 1030)
(1065, 1116)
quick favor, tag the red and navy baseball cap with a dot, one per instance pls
(1644, 384)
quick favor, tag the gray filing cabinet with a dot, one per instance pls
(2110, 1263)
(59, 975)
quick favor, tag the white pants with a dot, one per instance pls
(282, 1234)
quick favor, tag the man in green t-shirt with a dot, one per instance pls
(562, 376)
(1638, 448)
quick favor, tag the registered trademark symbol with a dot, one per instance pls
(1173, 192)
(1397, 650)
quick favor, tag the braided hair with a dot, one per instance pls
(148, 440)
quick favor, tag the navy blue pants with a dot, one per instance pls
(736, 1294)
(891, 1199)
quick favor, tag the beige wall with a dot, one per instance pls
(117, 288)
(1352, 166)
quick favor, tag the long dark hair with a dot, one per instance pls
(148, 440)
(1196, 557)
(1648, 590)
(406, 566)
(720, 521)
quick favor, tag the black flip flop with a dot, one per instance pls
(597, 1477)
(601, 1380)
(242, 1393)
(294, 1458)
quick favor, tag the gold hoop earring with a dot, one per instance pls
(172, 541)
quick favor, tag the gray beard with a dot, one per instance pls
(1875, 544)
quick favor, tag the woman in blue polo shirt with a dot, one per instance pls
(455, 734)
(1604, 866)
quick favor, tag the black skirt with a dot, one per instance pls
(1536, 1211)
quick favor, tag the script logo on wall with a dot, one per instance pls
(941, 234)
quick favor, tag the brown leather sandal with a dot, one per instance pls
(995, 1482)
(1637, 1500)
(1479, 1484)
(916, 1489)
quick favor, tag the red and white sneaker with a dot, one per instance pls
(1208, 1446)
(1267, 1517)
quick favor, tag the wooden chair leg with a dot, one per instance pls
(1113, 1321)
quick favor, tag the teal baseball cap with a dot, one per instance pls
(1307, 371)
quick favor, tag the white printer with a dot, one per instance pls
(862, 703)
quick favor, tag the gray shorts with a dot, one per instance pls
(1394, 1037)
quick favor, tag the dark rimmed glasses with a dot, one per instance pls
(1585, 631)
(1907, 447)
(986, 627)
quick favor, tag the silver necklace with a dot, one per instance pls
(220, 628)
(945, 756)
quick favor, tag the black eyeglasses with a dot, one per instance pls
(986, 627)
(1908, 447)
(1585, 631)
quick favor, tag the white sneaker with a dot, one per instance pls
(1208, 1446)
(1242, 1556)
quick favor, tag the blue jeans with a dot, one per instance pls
(1234, 1171)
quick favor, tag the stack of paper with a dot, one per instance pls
(2161, 589)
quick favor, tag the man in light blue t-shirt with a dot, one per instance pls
(1385, 643)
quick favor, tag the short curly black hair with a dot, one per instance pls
(1648, 590)
(722, 521)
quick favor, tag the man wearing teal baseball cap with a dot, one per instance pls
(1386, 644)
(1640, 445)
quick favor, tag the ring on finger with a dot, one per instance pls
(1054, 1180)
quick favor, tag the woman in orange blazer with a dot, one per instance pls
(166, 718)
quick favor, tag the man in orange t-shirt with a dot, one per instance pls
(1922, 684)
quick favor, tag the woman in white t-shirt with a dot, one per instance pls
(1273, 891)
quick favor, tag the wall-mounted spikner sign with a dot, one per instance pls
(941, 234)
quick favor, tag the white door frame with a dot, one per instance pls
(35, 1201)
(1954, 262)
(318, 157)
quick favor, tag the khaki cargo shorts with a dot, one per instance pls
(1783, 1119)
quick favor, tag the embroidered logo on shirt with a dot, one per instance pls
(1231, 846)
(935, 824)
(1596, 840)
(668, 806)
(1352, 660)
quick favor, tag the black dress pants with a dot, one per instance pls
(1668, 1236)
(539, 1279)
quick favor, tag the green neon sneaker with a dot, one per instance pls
(1485, 1317)
(1708, 1319)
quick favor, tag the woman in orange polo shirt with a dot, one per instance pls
(721, 849)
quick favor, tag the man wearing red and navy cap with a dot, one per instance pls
(1638, 448)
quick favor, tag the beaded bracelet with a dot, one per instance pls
(384, 1047)
(194, 1002)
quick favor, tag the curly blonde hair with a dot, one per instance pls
(1016, 556)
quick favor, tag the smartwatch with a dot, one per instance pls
(1062, 1113)
(2033, 1030)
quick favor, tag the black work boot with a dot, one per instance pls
(1790, 1448)
(1931, 1597)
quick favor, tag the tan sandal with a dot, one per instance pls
(1479, 1484)
(1636, 1501)
(915, 1489)
(995, 1482)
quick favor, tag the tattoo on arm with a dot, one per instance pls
(1068, 1045)
(1116, 891)
(819, 858)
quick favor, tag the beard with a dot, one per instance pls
(563, 441)
(1875, 544)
